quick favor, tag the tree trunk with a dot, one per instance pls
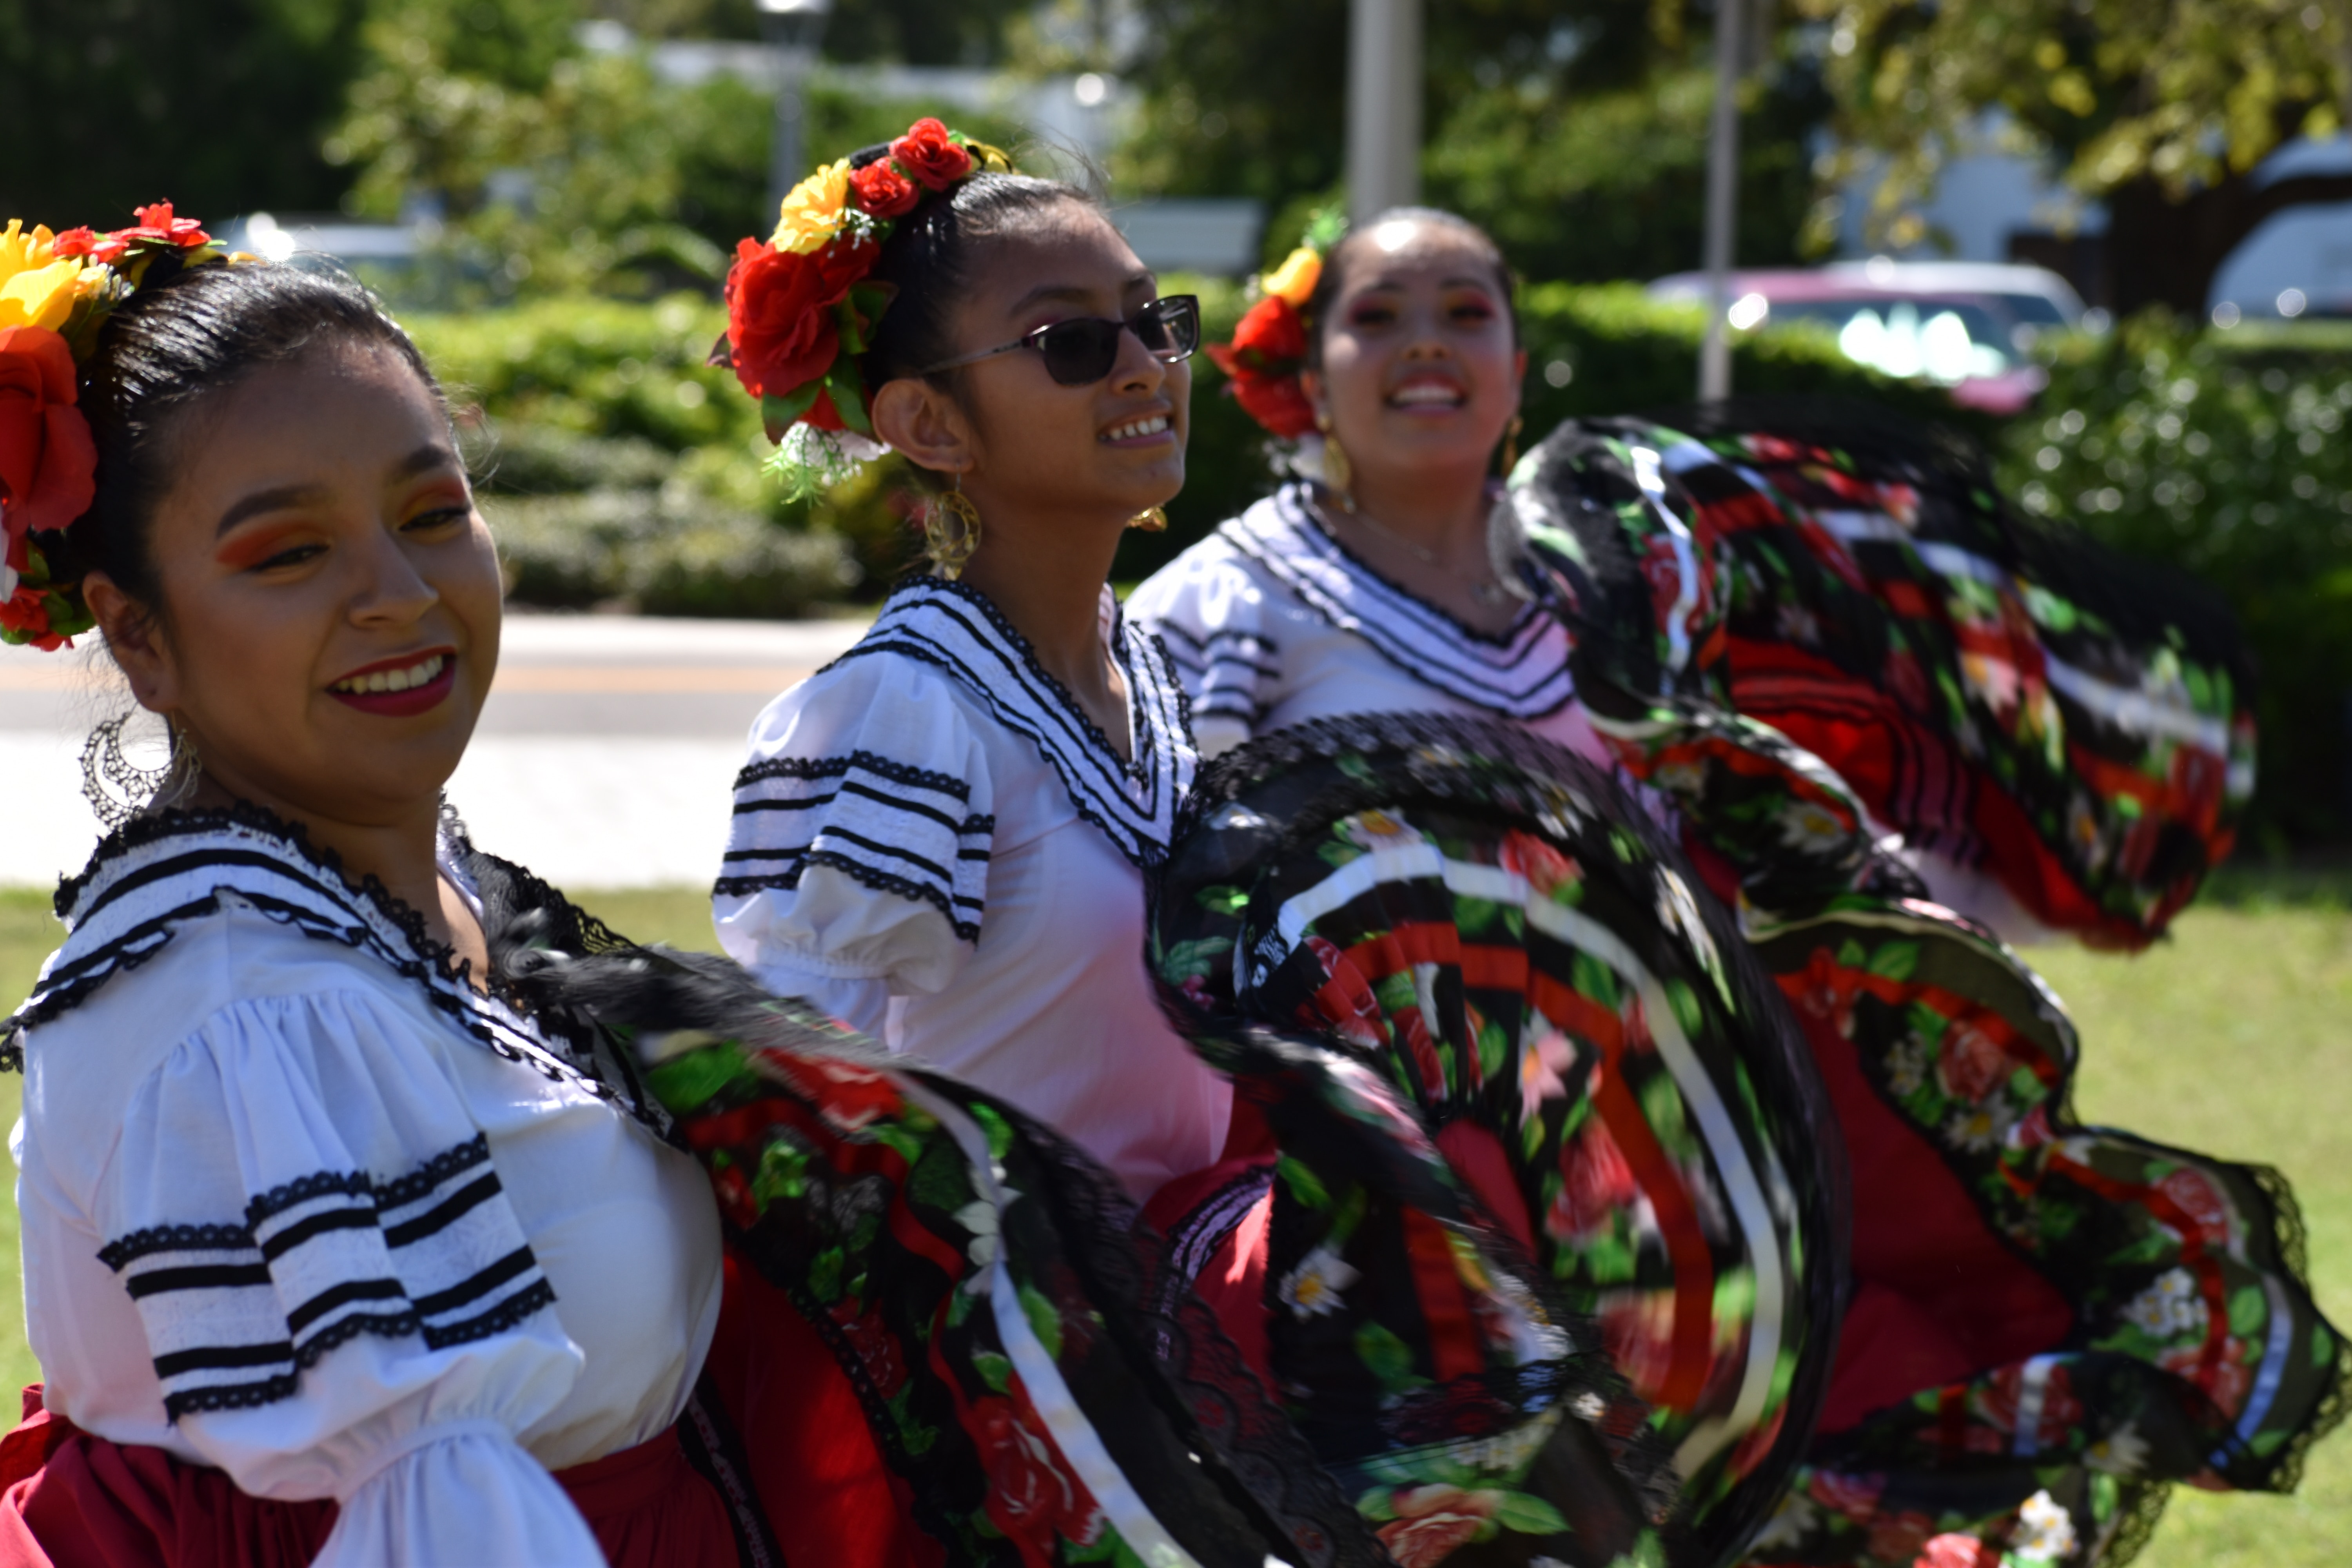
(2165, 252)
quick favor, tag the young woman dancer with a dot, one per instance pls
(942, 837)
(946, 837)
(308, 1214)
(366, 1191)
(2023, 1409)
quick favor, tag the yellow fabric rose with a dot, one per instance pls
(36, 289)
(1296, 278)
(812, 214)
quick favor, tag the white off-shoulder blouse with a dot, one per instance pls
(297, 1205)
(1271, 622)
(934, 843)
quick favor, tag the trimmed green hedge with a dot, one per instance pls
(663, 553)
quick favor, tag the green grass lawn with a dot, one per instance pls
(2235, 1038)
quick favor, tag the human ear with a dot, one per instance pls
(132, 637)
(921, 421)
(1518, 378)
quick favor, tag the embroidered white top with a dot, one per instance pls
(296, 1204)
(934, 843)
(1271, 622)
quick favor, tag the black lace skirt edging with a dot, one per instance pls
(2105, 1315)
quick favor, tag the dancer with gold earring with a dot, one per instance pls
(942, 837)
(1387, 362)
(1673, 559)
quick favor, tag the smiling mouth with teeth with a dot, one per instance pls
(1427, 393)
(1135, 429)
(377, 681)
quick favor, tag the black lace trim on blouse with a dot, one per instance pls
(861, 762)
(1136, 831)
(967, 927)
(365, 916)
(1442, 654)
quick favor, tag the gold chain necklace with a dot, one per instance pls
(1483, 588)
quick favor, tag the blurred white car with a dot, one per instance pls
(1914, 319)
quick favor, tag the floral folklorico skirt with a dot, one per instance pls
(1804, 628)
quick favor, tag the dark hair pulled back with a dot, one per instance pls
(1335, 269)
(184, 337)
(930, 256)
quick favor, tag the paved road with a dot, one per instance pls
(602, 761)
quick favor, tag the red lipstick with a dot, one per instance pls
(421, 697)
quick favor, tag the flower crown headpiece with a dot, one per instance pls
(800, 308)
(56, 291)
(1269, 347)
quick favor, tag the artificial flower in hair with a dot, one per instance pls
(1268, 351)
(931, 156)
(813, 212)
(800, 308)
(56, 290)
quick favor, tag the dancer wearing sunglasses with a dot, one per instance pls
(2009, 1378)
(942, 837)
(945, 838)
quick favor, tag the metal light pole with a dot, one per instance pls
(1384, 83)
(1722, 198)
(792, 28)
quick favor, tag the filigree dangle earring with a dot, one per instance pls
(1150, 520)
(1338, 474)
(1511, 445)
(951, 530)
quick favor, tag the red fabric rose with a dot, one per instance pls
(156, 224)
(882, 191)
(1953, 1550)
(926, 154)
(1029, 1497)
(1277, 402)
(48, 466)
(2200, 1203)
(24, 615)
(1545, 868)
(1972, 1063)
(871, 1343)
(779, 320)
(1599, 1183)
(1855, 1497)
(1432, 1521)
(74, 242)
(1270, 337)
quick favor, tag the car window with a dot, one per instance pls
(1943, 340)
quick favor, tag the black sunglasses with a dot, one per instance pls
(1084, 348)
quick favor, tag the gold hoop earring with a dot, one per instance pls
(1338, 474)
(951, 530)
(1150, 520)
(1511, 445)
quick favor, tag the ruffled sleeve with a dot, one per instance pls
(1211, 613)
(336, 1294)
(857, 867)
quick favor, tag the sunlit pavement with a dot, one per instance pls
(603, 758)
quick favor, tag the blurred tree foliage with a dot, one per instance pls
(218, 105)
(2160, 107)
(1574, 130)
(914, 32)
(558, 168)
